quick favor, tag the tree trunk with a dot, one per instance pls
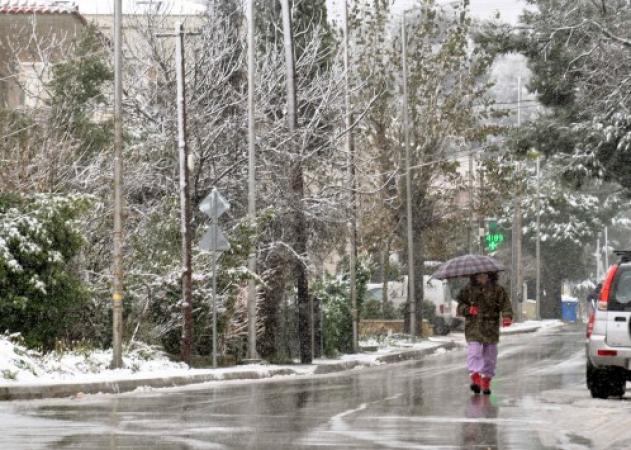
(385, 269)
(272, 297)
(299, 239)
(418, 279)
(551, 285)
(317, 324)
(299, 235)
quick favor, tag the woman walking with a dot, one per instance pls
(483, 303)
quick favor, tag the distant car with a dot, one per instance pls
(438, 292)
(435, 291)
(608, 343)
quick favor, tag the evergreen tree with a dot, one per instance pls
(579, 53)
(41, 295)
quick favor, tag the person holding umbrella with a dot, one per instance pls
(482, 302)
(485, 305)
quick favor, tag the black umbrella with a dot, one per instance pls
(464, 266)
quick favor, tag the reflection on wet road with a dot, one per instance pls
(423, 404)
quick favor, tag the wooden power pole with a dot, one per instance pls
(117, 269)
(186, 343)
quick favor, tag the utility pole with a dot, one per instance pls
(117, 269)
(606, 249)
(408, 184)
(481, 227)
(599, 267)
(185, 197)
(519, 101)
(516, 277)
(185, 201)
(296, 182)
(350, 151)
(252, 353)
(520, 265)
(470, 234)
(538, 242)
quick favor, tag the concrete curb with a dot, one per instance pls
(384, 359)
(338, 367)
(40, 391)
(523, 330)
(415, 354)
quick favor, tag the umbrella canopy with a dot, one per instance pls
(464, 266)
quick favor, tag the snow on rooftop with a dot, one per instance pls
(103, 7)
(131, 7)
(37, 7)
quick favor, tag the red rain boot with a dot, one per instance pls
(475, 383)
(486, 385)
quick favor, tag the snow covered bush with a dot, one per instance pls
(39, 289)
(334, 295)
(20, 364)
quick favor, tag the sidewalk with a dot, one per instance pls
(114, 383)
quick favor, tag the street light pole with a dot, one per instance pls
(470, 234)
(117, 269)
(350, 150)
(538, 243)
(408, 184)
(516, 263)
(606, 248)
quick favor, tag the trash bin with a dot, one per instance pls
(569, 307)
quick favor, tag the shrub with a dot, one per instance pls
(334, 295)
(39, 290)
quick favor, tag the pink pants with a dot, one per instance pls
(482, 358)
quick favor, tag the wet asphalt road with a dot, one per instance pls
(422, 404)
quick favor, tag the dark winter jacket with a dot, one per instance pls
(492, 302)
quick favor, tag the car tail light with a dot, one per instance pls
(590, 323)
(607, 352)
(603, 298)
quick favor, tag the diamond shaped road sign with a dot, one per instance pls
(215, 201)
(208, 243)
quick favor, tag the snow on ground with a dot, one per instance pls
(21, 366)
(532, 325)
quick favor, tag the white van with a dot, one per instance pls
(438, 292)
(435, 291)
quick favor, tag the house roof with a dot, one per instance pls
(40, 7)
(132, 7)
(36, 7)
(102, 7)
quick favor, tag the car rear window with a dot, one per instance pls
(620, 300)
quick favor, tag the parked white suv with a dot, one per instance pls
(608, 341)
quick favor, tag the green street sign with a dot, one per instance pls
(493, 237)
(493, 240)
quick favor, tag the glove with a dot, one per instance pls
(473, 310)
(507, 321)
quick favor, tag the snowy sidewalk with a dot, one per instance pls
(35, 379)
